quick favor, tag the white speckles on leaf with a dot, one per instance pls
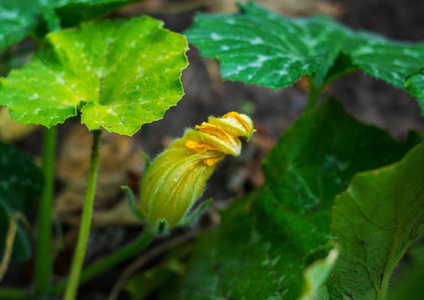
(216, 37)
(296, 47)
(108, 72)
(59, 80)
(34, 97)
(256, 41)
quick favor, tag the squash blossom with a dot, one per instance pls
(177, 177)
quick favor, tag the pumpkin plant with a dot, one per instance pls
(342, 202)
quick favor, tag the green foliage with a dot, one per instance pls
(342, 201)
(72, 12)
(375, 222)
(316, 274)
(142, 285)
(21, 183)
(19, 18)
(265, 241)
(121, 74)
(409, 284)
(415, 85)
(262, 47)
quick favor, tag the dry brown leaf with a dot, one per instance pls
(11, 131)
(164, 7)
(287, 7)
(303, 84)
(212, 67)
(120, 162)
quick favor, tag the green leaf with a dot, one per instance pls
(21, 182)
(265, 241)
(122, 74)
(262, 47)
(73, 12)
(409, 283)
(316, 275)
(375, 221)
(414, 84)
(18, 18)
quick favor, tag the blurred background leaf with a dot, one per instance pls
(20, 18)
(21, 183)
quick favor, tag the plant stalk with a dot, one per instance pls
(314, 92)
(110, 261)
(79, 255)
(43, 260)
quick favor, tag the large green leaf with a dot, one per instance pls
(18, 18)
(20, 185)
(122, 74)
(262, 47)
(375, 221)
(265, 241)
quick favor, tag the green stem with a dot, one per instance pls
(110, 261)
(314, 92)
(392, 261)
(14, 294)
(43, 263)
(79, 255)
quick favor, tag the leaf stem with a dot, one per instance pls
(314, 92)
(110, 261)
(392, 261)
(79, 255)
(43, 260)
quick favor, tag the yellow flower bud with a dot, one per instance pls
(177, 177)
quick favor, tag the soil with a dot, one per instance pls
(369, 100)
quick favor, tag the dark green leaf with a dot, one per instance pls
(72, 12)
(411, 285)
(122, 73)
(375, 221)
(20, 185)
(262, 47)
(18, 18)
(265, 241)
(142, 285)
(408, 284)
